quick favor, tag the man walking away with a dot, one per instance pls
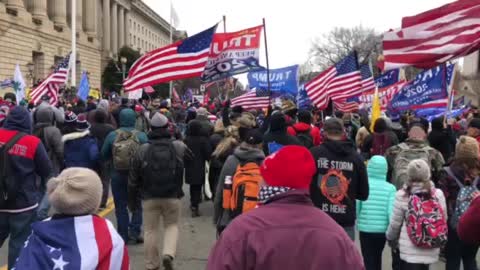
(25, 159)
(120, 146)
(341, 176)
(286, 231)
(157, 170)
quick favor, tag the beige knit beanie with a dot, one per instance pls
(418, 170)
(76, 191)
(467, 147)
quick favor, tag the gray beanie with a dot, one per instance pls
(418, 171)
(159, 120)
(76, 191)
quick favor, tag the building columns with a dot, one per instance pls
(90, 18)
(128, 42)
(114, 28)
(59, 12)
(38, 9)
(121, 26)
(15, 4)
(78, 16)
(106, 25)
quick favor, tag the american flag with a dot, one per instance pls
(184, 59)
(251, 100)
(85, 242)
(435, 36)
(51, 85)
(346, 106)
(341, 81)
(368, 83)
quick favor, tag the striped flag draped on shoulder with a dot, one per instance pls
(434, 37)
(51, 85)
(339, 82)
(184, 59)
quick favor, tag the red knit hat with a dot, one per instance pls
(292, 166)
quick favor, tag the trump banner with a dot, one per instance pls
(388, 78)
(429, 86)
(233, 53)
(282, 80)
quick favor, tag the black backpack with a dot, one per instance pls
(8, 185)
(161, 170)
(305, 137)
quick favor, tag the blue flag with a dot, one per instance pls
(303, 101)
(388, 78)
(428, 86)
(284, 80)
(84, 87)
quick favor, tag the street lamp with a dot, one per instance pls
(123, 60)
(30, 68)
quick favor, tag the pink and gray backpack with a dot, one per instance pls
(425, 221)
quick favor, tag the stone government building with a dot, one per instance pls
(37, 32)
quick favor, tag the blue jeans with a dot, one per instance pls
(120, 198)
(18, 227)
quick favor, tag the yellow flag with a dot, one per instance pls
(95, 93)
(376, 109)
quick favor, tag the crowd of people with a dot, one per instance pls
(285, 183)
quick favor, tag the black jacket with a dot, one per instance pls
(150, 188)
(341, 179)
(201, 149)
(444, 141)
(277, 135)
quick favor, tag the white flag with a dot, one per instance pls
(19, 84)
(174, 20)
(135, 94)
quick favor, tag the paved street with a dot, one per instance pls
(196, 238)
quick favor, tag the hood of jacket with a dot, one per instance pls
(127, 118)
(278, 123)
(75, 135)
(377, 169)
(339, 147)
(44, 115)
(159, 134)
(19, 119)
(246, 153)
(301, 127)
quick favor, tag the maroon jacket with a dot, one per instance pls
(287, 233)
(469, 225)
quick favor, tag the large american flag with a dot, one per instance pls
(85, 242)
(435, 36)
(51, 85)
(368, 83)
(252, 100)
(339, 82)
(184, 59)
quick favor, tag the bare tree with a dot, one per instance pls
(333, 46)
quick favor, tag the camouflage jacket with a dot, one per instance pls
(435, 157)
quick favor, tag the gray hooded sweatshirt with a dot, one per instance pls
(242, 154)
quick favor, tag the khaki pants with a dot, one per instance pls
(153, 210)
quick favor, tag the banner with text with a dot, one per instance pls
(281, 80)
(233, 53)
(430, 85)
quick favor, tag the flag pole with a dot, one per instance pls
(266, 55)
(73, 56)
(170, 89)
(224, 19)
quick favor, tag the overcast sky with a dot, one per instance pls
(292, 25)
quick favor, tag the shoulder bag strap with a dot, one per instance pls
(450, 173)
(5, 166)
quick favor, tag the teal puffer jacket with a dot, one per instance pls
(373, 215)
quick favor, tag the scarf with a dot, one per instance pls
(268, 192)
